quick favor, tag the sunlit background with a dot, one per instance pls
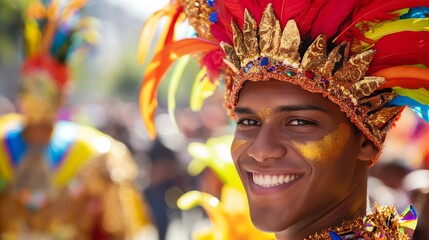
(104, 94)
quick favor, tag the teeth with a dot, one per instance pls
(272, 180)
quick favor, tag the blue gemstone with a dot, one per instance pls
(264, 61)
(249, 65)
(213, 17)
(210, 2)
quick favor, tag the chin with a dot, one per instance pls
(267, 221)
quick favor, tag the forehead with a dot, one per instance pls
(275, 92)
(40, 85)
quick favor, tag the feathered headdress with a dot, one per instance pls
(53, 30)
(369, 57)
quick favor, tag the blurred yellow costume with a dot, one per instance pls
(79, 186)
(58, 179)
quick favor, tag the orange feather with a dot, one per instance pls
(404, 76)
(156, 69)
(147, 34)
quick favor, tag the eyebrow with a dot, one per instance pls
(285, 108)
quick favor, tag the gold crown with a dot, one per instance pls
(265, 52)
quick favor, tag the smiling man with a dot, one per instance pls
(314, 86)
(290, 146)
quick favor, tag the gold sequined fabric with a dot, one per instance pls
(384, 222)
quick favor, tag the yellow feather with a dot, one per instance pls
(172, 88)
(410, 24)
(202, 89)
(420, 95)
(33, 37)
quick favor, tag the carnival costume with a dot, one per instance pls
(78, 185)
(367, 57)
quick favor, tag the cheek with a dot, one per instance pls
(236, 144)
(326, 150)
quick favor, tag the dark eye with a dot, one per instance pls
(300, 122)
(248, 122)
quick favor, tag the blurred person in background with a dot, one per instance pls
(166, 184)
(385, 189)
(58, 179)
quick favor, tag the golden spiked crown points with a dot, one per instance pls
(265, 52)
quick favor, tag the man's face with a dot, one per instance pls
(40, 99)
(296, 154)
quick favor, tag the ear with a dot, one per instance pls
(367, 150)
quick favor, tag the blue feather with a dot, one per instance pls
(59, 40)
(334, 236)
(420, 109)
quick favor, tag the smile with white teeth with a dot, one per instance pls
(267, 181)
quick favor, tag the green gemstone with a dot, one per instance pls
(290, 74)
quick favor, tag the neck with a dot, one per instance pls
(38, 134)
(352, 207)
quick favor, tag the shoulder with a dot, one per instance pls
(11, 122)
(108, 155)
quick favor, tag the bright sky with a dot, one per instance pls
(139, 8)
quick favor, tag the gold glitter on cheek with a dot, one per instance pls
(236, 143)
(265, 113)
(327, 149)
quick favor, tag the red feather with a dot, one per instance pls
(236, 8)
(214, 63)
(158, 67)
(290, 9)
(402, 48)
(373, 11)
(331, 16)
(221, 34)
(255, 7)
(223, 26)
(309, 15)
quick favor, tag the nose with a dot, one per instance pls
(267, 145)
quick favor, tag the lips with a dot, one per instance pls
(268, 181)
